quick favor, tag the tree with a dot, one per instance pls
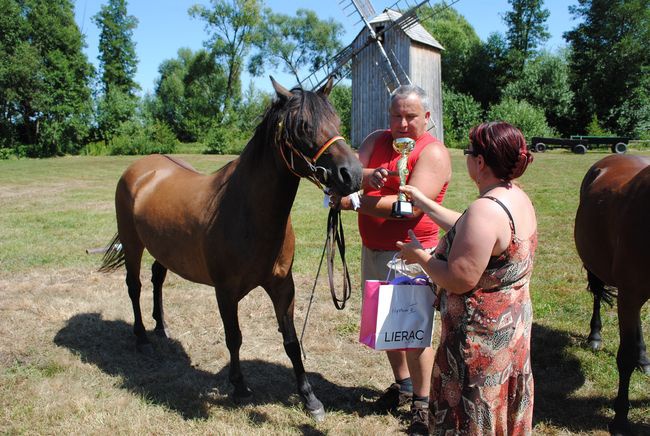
(609, 63)
(295, 42)
(118, 64)
(487, 71)
(233, 26)
(190, 93)
(117, 59)
(341, 98)
(544, 83)
(461, 44)
(44, 77)
(526, 31)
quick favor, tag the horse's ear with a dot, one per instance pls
(280, 90)
(327, 87)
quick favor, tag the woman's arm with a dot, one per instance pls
(445, 218)
(474, 242)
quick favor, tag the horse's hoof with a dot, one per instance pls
(242, 395)
(318, 414)
(595, 345)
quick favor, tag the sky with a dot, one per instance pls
(164, 26)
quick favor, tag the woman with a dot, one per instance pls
(482, 381)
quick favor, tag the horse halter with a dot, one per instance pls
(319, 175)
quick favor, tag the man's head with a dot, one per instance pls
(409, 112)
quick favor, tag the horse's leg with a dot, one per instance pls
(282, 296)
(133, 257)
(228, 310)
(597, 287)
(627, 358)
(158, 274)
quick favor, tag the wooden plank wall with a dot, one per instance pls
(370, 97)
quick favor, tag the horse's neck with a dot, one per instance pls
(269, 186)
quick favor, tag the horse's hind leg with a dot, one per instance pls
(627, 358)
(133, 256)
(644, 361)
(283, 301)
(597, 288)
(158, 274)
(228, 310)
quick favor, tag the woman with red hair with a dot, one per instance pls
(482, 381)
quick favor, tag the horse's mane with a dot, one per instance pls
(294, 120)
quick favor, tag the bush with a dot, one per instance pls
(527, 118)
(460, 113)
(133, 138)
(223, 140)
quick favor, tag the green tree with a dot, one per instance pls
(118, 64)
(526, 117)
(527, 30)
(460, 113)
(488, 71)
(610, 62)
(294, 43)
(233, 26)
(44, 78)
(190, 93)
(544, 83)
(341, 98)
(117, 59)
(461, 43)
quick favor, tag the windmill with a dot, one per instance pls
(392, 49)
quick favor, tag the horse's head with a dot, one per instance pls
(309, 141)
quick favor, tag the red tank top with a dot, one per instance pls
(381, 233)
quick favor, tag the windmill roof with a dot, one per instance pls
(416, 32)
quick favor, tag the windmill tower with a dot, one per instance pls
(392, 49)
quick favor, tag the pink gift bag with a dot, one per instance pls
(398, 315)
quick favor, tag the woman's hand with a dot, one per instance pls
(412, 252)
(418, 199)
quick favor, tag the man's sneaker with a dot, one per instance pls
(392, 398)
(419, 419)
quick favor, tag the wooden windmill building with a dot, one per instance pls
(413, 53)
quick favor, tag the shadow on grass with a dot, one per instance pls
(168, 377)
(557, 376)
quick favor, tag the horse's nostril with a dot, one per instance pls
(345, 176)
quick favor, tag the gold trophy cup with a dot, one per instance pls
(402, 208)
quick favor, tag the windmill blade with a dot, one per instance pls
(362, 8)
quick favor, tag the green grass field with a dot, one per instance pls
(67, 358)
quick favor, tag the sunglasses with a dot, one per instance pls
(467, 151)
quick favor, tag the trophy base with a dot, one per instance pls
(402, 209)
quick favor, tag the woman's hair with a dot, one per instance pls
(503, 147)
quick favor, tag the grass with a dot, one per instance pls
(67, 359)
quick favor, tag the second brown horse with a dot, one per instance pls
(613, 241)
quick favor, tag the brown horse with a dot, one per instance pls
(613, 241)
(232, 229)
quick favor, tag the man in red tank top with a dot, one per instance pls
(429, 168)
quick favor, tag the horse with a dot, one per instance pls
(232, 229)
(612, 240)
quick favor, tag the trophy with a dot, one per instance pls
(402, 208)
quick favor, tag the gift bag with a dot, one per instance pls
(397, 315)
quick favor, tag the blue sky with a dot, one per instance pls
(165, 26)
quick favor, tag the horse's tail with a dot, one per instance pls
(114, 256)
(600, 290)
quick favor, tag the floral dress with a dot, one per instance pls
(482, 383)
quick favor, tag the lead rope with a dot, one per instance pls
(336, 236)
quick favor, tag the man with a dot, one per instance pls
(429, 168)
